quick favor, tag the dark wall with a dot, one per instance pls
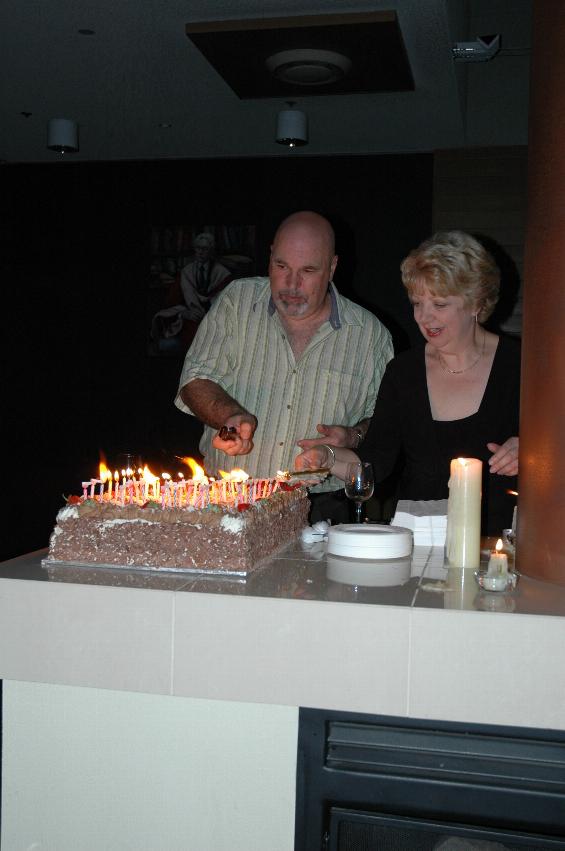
(76, 248)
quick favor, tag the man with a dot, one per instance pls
(202, 280)
(275, 356)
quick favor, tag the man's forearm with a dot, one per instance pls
(209, 402)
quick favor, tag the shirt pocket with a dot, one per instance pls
(343, 396)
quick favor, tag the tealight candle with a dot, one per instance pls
(498, 561)
(463, 541)
(496, 583)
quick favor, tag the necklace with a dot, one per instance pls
(445, 367)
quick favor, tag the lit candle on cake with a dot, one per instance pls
(166, 489)
(463, 542)
(105, 475)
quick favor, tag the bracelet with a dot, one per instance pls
(360, 436)
(332, 453)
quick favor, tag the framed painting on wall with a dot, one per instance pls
(190, 266)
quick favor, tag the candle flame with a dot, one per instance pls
(105, 473)
(498, 545)
(165, 476)
(512, 493)
(196, 470)
(149, 477)
(116, 475)
(236, 475)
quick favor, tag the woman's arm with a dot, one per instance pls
(322, 456)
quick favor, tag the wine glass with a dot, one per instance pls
(359, 485)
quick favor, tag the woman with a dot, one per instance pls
(458, 395)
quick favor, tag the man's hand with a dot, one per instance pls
(315, 458)
(335, 435)
(504, 460)
(240, 441)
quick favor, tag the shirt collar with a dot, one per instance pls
(334, 320)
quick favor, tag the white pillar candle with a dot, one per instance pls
(514, 519)
(463, 541)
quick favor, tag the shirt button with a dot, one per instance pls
(294, 372)
(288, 406)
(283, 336)
(281, 443)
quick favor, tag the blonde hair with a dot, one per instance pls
(454, 263)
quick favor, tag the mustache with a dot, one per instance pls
(291, 293)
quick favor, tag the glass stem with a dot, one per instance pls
(358, 509)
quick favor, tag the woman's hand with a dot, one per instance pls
(335, 435)
(315, 458)
(504, 460)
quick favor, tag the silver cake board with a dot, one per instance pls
(48, 563)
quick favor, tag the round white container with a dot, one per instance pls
(369, 541)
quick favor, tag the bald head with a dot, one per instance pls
(302, 264)
(308, 225)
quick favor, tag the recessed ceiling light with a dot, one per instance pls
(308, 67)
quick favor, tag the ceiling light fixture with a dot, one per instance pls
(62, 135)
(307, 67)
(292, 127)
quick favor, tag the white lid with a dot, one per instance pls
(369, 540)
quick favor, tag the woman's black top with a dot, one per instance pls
(402, 423)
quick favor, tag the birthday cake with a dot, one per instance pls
(191, 525)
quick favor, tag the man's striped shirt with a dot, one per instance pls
(241, 345)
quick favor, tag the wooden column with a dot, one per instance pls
(541, 504)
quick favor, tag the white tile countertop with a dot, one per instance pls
(304, 630)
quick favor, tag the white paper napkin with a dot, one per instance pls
(426, 518)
